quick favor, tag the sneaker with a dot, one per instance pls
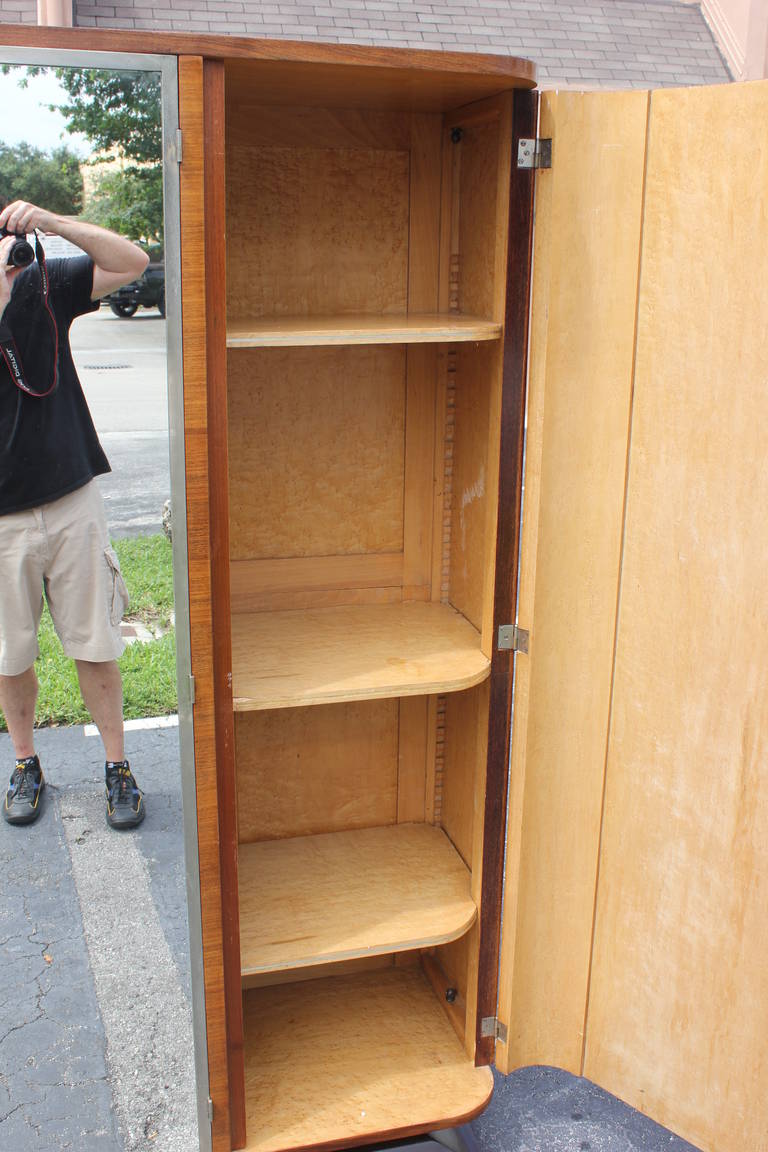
(23, 798)
(125, 802)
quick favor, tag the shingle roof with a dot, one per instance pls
(576, 43)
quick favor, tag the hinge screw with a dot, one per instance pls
(450, 995)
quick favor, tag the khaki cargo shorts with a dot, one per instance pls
(61, 550)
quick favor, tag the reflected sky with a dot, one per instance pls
(26, 116)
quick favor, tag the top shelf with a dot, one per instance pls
(307, 331)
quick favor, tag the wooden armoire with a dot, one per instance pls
(385, 362)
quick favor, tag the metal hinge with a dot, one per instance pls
(534, 153)
(490, 1026)
(210, 1110)
(178, 146)
(513, 639)
(191, 689)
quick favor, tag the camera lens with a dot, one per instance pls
(22, 254)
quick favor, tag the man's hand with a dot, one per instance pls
(23, 217)
(116, 261)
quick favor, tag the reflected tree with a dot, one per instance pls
(50, 178)
(120, 113)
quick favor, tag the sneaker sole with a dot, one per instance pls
(125, 824)
(25, 817)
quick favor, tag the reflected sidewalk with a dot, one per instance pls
(95, 1027)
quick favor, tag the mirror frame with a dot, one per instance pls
(168, 69)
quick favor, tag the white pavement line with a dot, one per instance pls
(137, 725)
(146, 1016)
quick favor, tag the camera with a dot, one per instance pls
(22, 254)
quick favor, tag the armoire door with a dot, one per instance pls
(635, 934)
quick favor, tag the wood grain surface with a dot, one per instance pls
(410, 77)
(257, 585)
(317, 455)
(357, 652)
(317, 899)
(580, 389)
(333, 1063)
(414, 328)
(199, 545)
(678, 1010)
(319, 232)
(309, 770)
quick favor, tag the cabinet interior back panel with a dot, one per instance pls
(303, 771)
(317, 231)
(316, 451)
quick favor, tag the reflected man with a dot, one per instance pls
(53, 532)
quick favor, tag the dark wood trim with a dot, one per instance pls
(510, 69)
(515, 355)
(193, 312)
(218, 483)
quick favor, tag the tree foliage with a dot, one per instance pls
(52, 179)
(129, 201)
(120, 113)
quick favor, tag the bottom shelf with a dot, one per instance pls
(354, 1059)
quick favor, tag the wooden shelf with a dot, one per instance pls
(348, 1059)
(318, 899)
(298, 331)
(355, 652)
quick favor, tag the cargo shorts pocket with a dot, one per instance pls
(119, 599)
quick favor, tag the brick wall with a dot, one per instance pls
(18, 12)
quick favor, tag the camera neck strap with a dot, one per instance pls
(10, 352)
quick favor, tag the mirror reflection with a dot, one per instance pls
(96, 1044)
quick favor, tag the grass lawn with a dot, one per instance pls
(148, 669)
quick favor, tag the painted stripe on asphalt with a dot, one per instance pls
(147, 1018)
(136, 725)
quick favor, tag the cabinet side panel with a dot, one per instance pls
(302, 771)
(466, 720)
(472, 484)
(679, 999)
(199, 545)
(477, 224)
(588, 211)
(463, 819)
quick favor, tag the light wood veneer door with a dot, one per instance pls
(638, 844)
(678, 1013)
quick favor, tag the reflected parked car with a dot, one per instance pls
(147, 292)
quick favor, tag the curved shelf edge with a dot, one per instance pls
(247, 704)
(311, 901)
(384, 949)
(313, 332)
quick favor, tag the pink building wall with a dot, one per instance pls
(741, 30)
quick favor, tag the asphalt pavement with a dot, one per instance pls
(122, 367)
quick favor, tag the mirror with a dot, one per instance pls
(96, 1027)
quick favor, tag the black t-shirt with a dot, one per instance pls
(48, 445)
